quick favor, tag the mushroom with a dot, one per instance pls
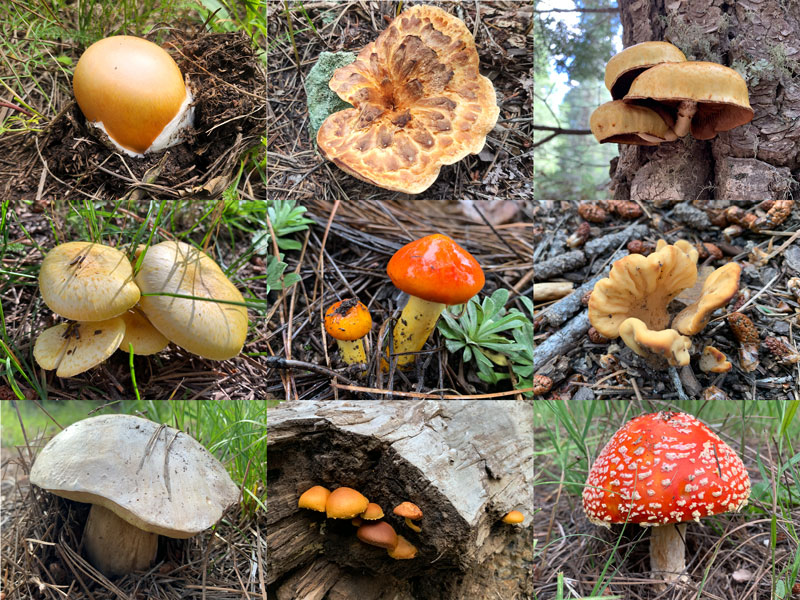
(188, 298)
(404, 549)
(84, 281)
(661, 470)
(373, 512)
(434, 271)
(409, 511)
(141, 335)
(718, 289)
(143, 480)
(379, 534)
(513, 517)
(639, 288)
(314, 498)
(620, 123)
(704, 96)
(345, 503)
(656, 346)
(625, 66)
(133, 92)
(420, 103)
(714, 361)
(73, 347)
(347, 321)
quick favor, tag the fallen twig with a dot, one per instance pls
(561, 340)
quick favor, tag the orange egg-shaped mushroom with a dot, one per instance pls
(132, 90)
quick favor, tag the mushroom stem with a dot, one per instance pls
(115, 546)
(415, 325)
(686, 110)
(667, 553)
(352, 351)
(410, 523)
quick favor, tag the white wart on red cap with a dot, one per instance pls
(661, 468)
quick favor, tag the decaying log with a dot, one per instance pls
(464, 463)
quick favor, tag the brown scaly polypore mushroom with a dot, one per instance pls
(702, 96)
(620, 123)
(420, 103)
(142, 479)
(662, 470)
(627, 65)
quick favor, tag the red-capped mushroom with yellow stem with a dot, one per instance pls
(435, 272)
(348, 321)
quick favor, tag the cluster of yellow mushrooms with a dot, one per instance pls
(632, 302)
(659, 96)
(347, 503)
(179, 294)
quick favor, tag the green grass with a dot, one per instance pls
(214, 225)
(36, 421)
(572, 434)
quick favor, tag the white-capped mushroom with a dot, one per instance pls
(143, 480)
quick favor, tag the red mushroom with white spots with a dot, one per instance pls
(662, 470)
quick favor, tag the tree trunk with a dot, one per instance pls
(759, 160)
(465, 464)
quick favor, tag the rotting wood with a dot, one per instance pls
(551, 290)
(561, 341)
(465, 464)
(597, 246)
(557, 265)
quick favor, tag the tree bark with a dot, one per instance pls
(464, 463)
(759, 160)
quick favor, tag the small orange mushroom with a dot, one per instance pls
(409, 511)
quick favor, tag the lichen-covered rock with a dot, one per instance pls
(321, 100)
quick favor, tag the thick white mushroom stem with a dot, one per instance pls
(114, 546)
(415, 325)
(686, 111)
(352, 351)
(668, 552)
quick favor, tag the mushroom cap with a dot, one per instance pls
(661, 468)
(514, 517)
(720, 93)
(213, 330)
(625, 66)
(373, 512)
(140, 332)
(379, 534)
(667, 344)
(436, 269)
(73, 348)
(345, 503)
(347, 320)
(130, 85)
(718, 289)
(409, 510)
(642, 287)
(714, 361)
(314, 498)
(166, 483)
(420, 103)
(404, 549)
(84, 281)
(621, 123)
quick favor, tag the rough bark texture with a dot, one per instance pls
(760, 160)
(465, 464)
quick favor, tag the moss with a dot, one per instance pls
(321, 100)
